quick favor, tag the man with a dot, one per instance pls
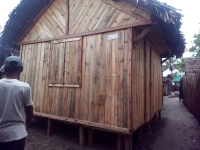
(15, 106)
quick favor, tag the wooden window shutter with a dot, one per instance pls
(65, 63)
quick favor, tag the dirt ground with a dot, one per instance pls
(177, 130)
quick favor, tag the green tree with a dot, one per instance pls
(176, 66)
(196, 48)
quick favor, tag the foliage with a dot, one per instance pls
(196, 47)
(175, 65)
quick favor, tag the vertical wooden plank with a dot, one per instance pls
(129, 106)
(80, 55)
(147, 82)
(45, 76)
(102, 79)
(108, 82)
(97, 66)
(40, 85)
(135, 63)
(92, 78)
(121, 85)
(81, 135)
(87, 77)
(36, 106)
(125, 76)
(114, 81)
(60, 102)
(76, 63)
(83, 72)
(71, 62)
(72, 103)
(66, 71)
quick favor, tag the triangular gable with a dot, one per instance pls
(85, 16)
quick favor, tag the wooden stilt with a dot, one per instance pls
(128, 142)
(148, 127)
(119, 142)
(159, 115)
(155, 119)
(140, 133)
(49, 127)
(81, 135)
(90, 136)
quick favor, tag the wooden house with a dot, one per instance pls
(96, 63)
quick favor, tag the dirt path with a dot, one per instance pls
(177, 130)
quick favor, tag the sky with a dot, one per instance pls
(189, 9)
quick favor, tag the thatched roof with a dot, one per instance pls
(170, 23)
(167, 17)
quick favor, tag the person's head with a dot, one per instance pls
(13, 66)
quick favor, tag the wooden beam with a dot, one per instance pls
(141, 36)
(85, 123)
(140, 133)
(155, 119)
(81, 135)
(128, 142)
(159, 115)
(148, 127)
(64, 85)
(161, 35)
(67, 17)
(66, 40)
(24, 32)
(119, 142)
(90, 136)
(124, 9)
(148, 22)
(165, 60)
(49, 127)
(130, 50)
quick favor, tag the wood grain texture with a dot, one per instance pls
(51, 24)
(95, 79)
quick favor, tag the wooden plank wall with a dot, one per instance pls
(51, 24)
(138, 83)
(90, 15)
(156, 83)
(35, 61)
(146, 83)
(102, 97)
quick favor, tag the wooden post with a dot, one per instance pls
(128, 142)
(159, 115)
(140, 133)
(155, 118)
(49, 127)
(119, 142)
(90, 136)
(148, 127)
(81, 135)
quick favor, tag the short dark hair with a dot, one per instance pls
(12, 69)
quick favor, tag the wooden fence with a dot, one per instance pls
(191, 86)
